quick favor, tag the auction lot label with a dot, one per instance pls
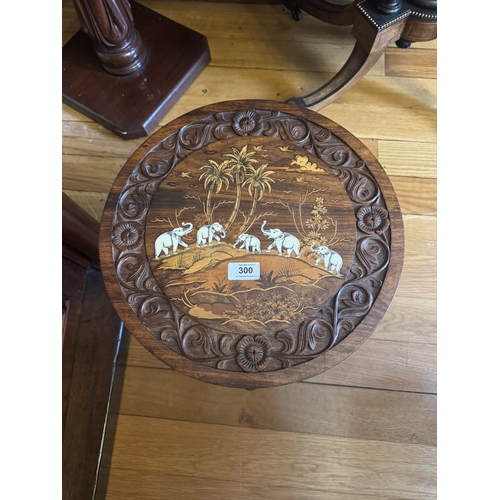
(243, 271)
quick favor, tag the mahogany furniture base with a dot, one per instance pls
(251, 243)
(93, 340)
(376, 25)
(133, 106)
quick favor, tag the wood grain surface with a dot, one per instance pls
(365, 429)
(296, 318)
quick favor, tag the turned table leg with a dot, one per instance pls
(110, 26)
(128, 65)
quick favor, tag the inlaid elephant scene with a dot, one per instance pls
(253, 202)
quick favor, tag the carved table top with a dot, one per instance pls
(252, 243)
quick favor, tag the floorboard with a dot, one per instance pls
(274, 459)
(302, 407)
(366, 428)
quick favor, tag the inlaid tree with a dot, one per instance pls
(215, 176)
(239, 162)
(258, 181)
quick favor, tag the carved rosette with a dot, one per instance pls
(263, 352)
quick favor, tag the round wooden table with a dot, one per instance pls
(252, 243)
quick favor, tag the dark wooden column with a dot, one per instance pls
(110, 25)
(128, 65)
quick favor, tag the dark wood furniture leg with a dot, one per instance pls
(376, 25)
(93, 338)
(129, 65)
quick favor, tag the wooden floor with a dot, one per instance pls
(363, 430)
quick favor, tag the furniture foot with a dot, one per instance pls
(403, 44)
(338, 14)
(294, 7)
(358, 64)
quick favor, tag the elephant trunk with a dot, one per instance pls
(188, 229)
(263, 230)
(223, 233)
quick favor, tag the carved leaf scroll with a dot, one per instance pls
(263, 352)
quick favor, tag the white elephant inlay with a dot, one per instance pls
(249, 242)
(282, 241)
(172, 239)
(208, 233)
(331, 259)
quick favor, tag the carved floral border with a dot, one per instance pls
(263, 352)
